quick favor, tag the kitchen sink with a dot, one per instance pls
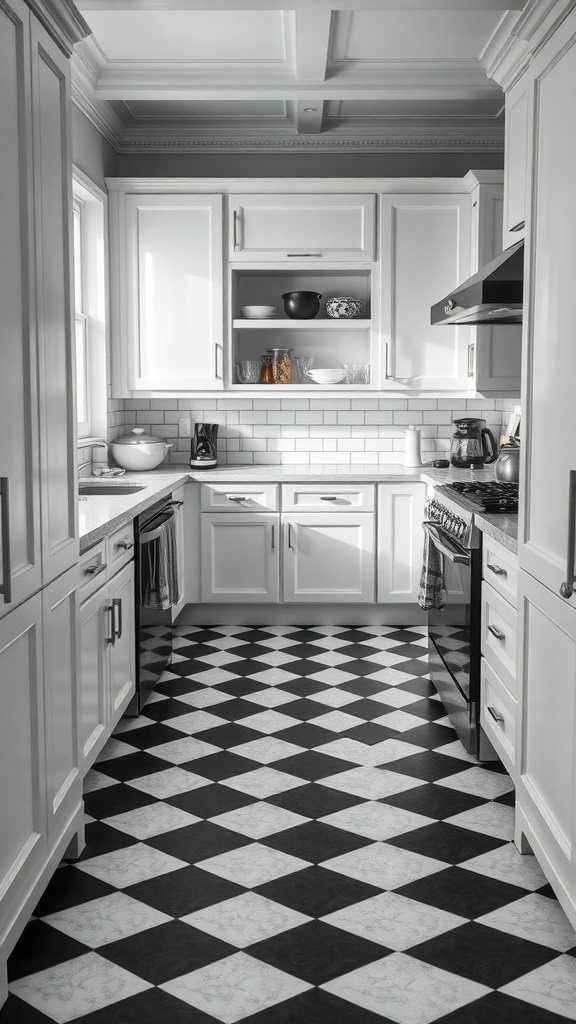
(109, 488)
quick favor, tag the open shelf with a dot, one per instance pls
(320, 324)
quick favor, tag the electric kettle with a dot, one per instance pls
(472, 445)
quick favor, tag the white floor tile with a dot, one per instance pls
(245, 919)
(259, 820)
(151, 820)
(168, 782)
(106, 919)
(384, 866)
(506, 864)
(118, 870)
(376, 821)
(537, 919)
(394, 921)
(263, 782)
(253, 865)
(553, 987)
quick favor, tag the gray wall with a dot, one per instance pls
(91, 153)
(305, 165)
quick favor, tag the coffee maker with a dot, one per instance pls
(203, 449)
(473, 445)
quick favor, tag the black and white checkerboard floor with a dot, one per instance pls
(292, 834)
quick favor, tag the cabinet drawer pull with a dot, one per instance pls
(290, 545)
(238, 497)
(217, 373)
(117, 620)
(567, 588)
(235, 231)
(495, 714)
(497, 569)
(296, 255)
(497, 632)
(111, 640)
(6, 587)
(518, 226)
(328, 497)
(471, 350)
(93, 570)
(273, 536)
(124, 545)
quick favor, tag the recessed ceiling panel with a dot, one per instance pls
(189, 35)
(186, 109)
(489, 107)
(413, 35)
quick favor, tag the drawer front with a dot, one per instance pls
(239, 498)
(499, 635)
(120, 548)
(498, 715)
(500, 569)
(93, 569)
(328, 498)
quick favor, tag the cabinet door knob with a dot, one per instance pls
(497, 632)
(497, 569)
(124, 545)
(6, 587)
(93, 570)
(495, 714)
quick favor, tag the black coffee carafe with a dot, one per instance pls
(472, 445)
(203, 449)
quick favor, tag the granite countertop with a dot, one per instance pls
(100, 515)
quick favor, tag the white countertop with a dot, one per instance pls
(100, 515)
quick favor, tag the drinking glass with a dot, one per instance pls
(248, 372)
(301, 366)
(357, 373)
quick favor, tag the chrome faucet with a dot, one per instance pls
(94, 442)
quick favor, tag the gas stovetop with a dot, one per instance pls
(487, 496)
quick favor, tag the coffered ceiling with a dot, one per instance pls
(245, 75)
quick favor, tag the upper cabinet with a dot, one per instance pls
(424, 253)
(326, 228)
(166, 292)
(516, 161)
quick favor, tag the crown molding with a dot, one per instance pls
(531, 30)
(99, 113)
(62, 20)
(308, 144)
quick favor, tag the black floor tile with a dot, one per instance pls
(223, 765)
(164, 710)
(497, 1008)
(67, 888)
(426, 708)
(413, 667)
(447, 842)
(315, 1007)
(462, 892)
(181, 892)
(16, 1011)
(429, 735)
(303, 687)
(370, 733)
(315, 841)
(434, 801)
(147, 736)
(317, 952)
(312, 765)
(316, 891)
(208, 801)
(306, 708)
(237, 708)
(306, 735)
(367, 709)
(365, 687)
(133, 766)
(179, 687)
(151, 1007)
(240, 687)
(101, 838)
(314, 801)
(421, 685)
(483, 954)
(197, 842)
(103, 803)
(166, 952)
(428, 765)
(229, 735)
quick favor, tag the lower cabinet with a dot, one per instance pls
(400, 541)
(240, 557)
(107, 661)
(328, 557)
(40, 779)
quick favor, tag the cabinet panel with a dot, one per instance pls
(500, 569)
(329, 557)
(515, 162)
(321, 497)
(93, 679)
(315, 227)
(52, 157)
(400, 541)
(22, 778)
(240, 498)
(123, 650)
(499, 635)
(498, 716)
(412, 227)
(20, 510)
(170, 318)
(240, 557)
(61, 673)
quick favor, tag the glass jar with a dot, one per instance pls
(281, 365)
(266, 369)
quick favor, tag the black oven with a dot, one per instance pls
(454, 636)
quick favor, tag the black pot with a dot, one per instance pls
(301, 305)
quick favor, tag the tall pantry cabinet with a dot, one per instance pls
(546, 759)
(40, 784)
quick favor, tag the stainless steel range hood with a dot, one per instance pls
(492, 296)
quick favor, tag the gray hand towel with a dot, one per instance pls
(432, 592)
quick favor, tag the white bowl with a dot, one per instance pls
(259, 312)
(326, 376)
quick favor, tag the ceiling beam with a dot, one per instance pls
(312, 40)
(307, 116)
(302, 5)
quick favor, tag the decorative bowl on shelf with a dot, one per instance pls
(259, 312)
(326, 375)
(343, 307)
(301, 305)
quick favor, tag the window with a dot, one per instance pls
(89, 307)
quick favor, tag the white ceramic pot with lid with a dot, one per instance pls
(138, 450)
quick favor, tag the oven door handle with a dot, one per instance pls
(453, 554)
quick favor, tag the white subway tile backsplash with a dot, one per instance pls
(334, 431)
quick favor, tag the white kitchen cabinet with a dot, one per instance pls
(240, 557)
(499, 640)
(180, 495)
(107, 654)
(302, 227)
(328, 557)
(400, 541)
(166, 292)
(517, 117)
(424, 253)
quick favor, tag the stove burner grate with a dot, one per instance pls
(488, 496)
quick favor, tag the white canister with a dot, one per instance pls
(412, 453)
